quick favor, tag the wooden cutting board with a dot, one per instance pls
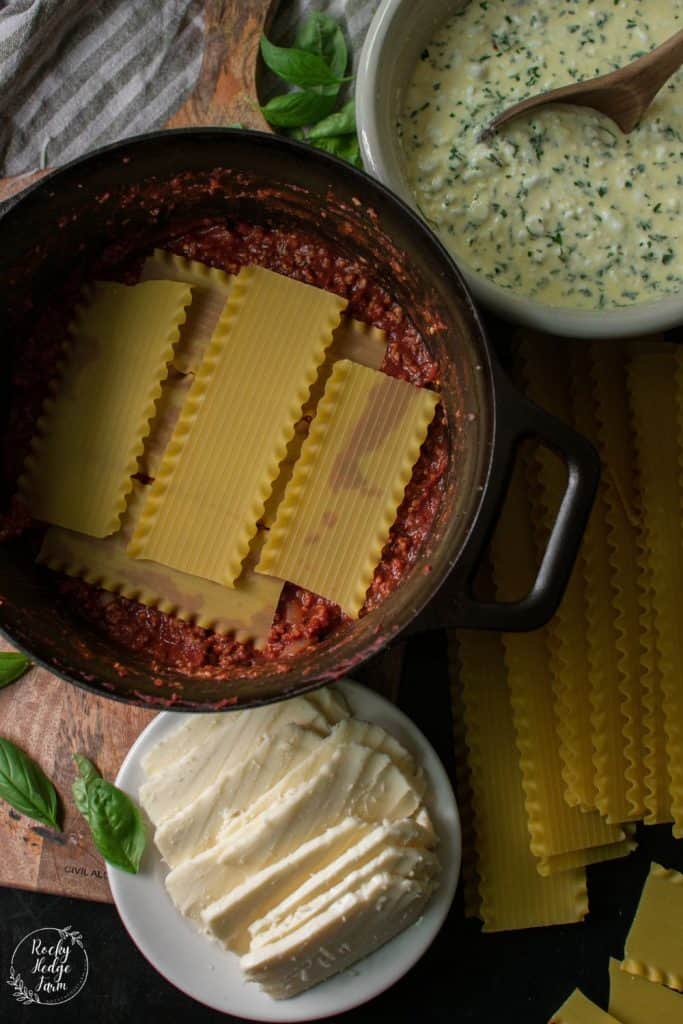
(225, 92)
(51, 719)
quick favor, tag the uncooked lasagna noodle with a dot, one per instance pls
(246, 610)
(359, 342)
(615, 717)
(654, 945)
(606, 381)
(203, 508)
(95, 421)
(593, 855)
(554, 826)
(469, 869)
(635, 1000)
(567, 631)
(169, 406)
(347, 485)
(653, 372)
(352, 340)
(580, 1010)
(210, 288)
(657, 796)
(512, 893)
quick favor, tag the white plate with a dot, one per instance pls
(206, 972)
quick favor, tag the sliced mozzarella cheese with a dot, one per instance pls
(194, 826)
(198, 730)
(331, 703)
(229, 917)
(377, 738)
(354, 926)
(221, 750)
(329, 885)
(340, 738)
(354, 782)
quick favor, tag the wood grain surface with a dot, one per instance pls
(226, 90)
(51, 719)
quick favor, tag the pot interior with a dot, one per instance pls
(103, 211)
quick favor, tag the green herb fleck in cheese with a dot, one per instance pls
(560, 205)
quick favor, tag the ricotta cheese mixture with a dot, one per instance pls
(560, 205)
(296, 835)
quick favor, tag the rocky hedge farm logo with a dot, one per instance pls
(48, 967)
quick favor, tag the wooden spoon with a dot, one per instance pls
(622, 95)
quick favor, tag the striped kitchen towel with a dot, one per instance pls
(76, 74)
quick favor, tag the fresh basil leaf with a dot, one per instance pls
(116, 825)
(309, 33)
(25, 786)
(298, 67)
(295, 109)
(344, 146)
(12, 667)
(79, 787)
(320, 34)
(342, 122)
(86, 768)
(79, 791)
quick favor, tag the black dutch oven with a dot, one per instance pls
(148, 189)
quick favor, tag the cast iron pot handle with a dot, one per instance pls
(527, 420)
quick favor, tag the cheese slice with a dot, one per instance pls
(331, 703)
(200, 730)
(634, 1000)
(377, 738)
(195, 825)
(254, 784)
(654, 945)
(304, 875)
(355, 782)
(369, 774)
(78, 473)
(348, 931)
(183, 781)
(402, 861)
(580, 1010)
(205, 503)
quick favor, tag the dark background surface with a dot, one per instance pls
(465, 976)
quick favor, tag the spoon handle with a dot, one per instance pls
(624, 95)
(649, 73)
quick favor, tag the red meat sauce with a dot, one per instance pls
(303, 619)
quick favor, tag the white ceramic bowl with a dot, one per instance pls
(398, 33)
